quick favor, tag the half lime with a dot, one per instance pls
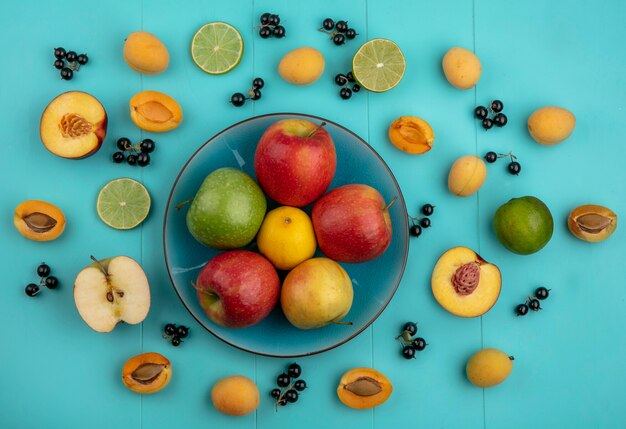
(123, 203)
(378, 65)
(217, 47)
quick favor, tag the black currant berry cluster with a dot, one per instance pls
(270, 26)
(532, 302)
(175, 334)
(68, 62)
(254, 93)
(45, 279)
(344, 81)
(417, 224)
(289, 384)
(410, 345)
(514, 167)
(138, 154)
(497, 118)
(338, 31)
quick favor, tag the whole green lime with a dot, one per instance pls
(523, 225)
(227, 211)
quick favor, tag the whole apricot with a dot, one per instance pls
(235, 396)
(411, 134)
(489, 367)
(145, 53)
(461, 67)
(551, 125)
(467, 175)
(302, 66)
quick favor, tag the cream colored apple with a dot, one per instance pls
(110, 291)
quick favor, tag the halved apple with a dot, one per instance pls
(73, 125)
(464, 283)
(110, 291)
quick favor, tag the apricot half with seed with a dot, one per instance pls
(155, 111)
(411, 134)
(363, 388)
(147, 373)
(465, 284)
(73, 125)
(39, 220)
(592, 223)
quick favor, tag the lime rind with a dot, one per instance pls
(123, 203)
(217, 48)
(378, 65)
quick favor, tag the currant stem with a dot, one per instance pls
(282, 393)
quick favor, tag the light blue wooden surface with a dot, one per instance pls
(569, 367)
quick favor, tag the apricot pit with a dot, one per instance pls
(362, 388)
(38, 220)
(155, 111)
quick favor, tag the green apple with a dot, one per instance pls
(523, 225)
(227, 211)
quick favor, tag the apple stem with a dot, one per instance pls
(106, 273)
(180, 205)
(391, 203)
(343, 323)
(323, 124)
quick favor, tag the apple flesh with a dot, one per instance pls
(238, 288)
(73, 125)
(295, 162)
(352, 223)
(110, 291)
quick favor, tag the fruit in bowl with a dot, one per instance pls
(295, 162)
(227, 211)
(238, 288)
(352, 223)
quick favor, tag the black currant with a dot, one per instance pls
(237, 99)
(71, 56)
(265, 18)
(66, 73)
(410, 327)
(515, 168)
(408, 352)
(147, 146)
(182, 331)
(350, 77)
(59, 64)
(425, 222)
(169, 329)
(294, 370)
(118, 157)
(491, 157)
(275, 393)
(542, 293)
(521, 310)
(52, 282)
(299, 385)
(32, 289)
(43, 270)
(258, 83)
(339, 39)
(415, 230)
(496, 106)
(428, 209)
(328, 24)
(143, 159)
(356, 87)
(279, 31)
(500, 120)
(265, 32)
(350, 33)
(255, 94)
(176, 341)
(345, 93)
(341, 79)
(487, 123)
(82, 59)
(273, 20)
(123, 143)
(59, 53)
(131, 160)
(534, 304)
(341, 26)
(282, 402)
(283, 380)
(291, 396)
(481, 112)
(419, 344)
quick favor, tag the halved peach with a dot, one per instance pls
(155, 111)
(465, 284)
(73, 125)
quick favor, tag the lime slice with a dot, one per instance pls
(378, 65)
(123, 203)
(217, 47)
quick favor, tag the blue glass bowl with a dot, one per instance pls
(374, 282)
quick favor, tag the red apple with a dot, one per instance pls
(238, 288)
(295, 162)
(352, 223)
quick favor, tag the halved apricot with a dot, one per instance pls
(363, 388)
(155, 111)
(39, 220)
(147, 373)
(73, 125)
(411, 134)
